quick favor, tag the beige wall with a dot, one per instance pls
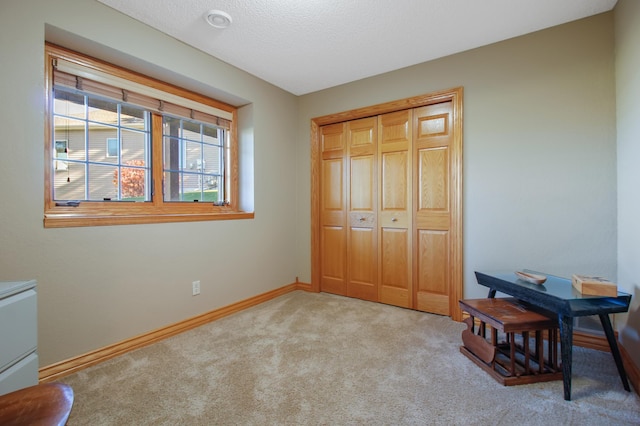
(539, 148)
(101, 285)
(627, 36)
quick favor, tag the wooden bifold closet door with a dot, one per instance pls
(394, 214)
(386, 205)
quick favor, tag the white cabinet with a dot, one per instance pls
(18, 335)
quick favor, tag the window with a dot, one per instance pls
(194, 161)
(135, 150)
(113, 147)
(61, 150)
(94, 171)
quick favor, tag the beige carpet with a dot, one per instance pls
(320, 359)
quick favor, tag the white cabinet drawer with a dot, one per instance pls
(18, 327)
(20, 375)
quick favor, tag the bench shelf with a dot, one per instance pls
(513, 342)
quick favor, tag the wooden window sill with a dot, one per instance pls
(68, 220)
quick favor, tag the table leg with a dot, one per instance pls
(615, 351)
(566, 350)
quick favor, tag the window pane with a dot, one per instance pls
(213, 159)
(69, 104)
(101, 182)
(191, 184)
(210, 135)
(193, 161)
(211, 188)
(171, 125)
(73, 132)
(60, 155)
(98, 135)
(69, 184)
(172, 191)
(171, 159)
(132, 117)
(133, 146)
(193, 156)
(172, 154)
(209, 196)
(133, 181)
(103, 111)
(191, 187)
(191, 130)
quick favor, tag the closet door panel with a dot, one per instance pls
(362, 193)
(433, 272)
(432, 163)
(433, 179)
(362, 134)
(362, 279)
(333, 265)
(332, 200)
(395, 169)
(395, 131)
(395, 208)
(362, 264)
(395, 285)
(332, 140)
(333, 238)
(333, 216)
(434, 124)
(433, 189)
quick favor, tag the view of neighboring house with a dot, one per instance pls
(102, 147)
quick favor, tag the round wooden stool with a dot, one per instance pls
(43, 405)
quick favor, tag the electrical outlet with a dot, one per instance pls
(195, 288)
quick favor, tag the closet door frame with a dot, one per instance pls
(454, 95)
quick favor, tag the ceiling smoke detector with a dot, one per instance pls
(218, 18)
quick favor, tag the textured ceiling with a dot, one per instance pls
(307, 45)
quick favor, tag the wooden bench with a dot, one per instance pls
(508, 354)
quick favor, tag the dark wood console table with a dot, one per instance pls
(558, 296)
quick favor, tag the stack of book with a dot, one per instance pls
(595, 286)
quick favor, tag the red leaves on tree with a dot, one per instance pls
(132, 181)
